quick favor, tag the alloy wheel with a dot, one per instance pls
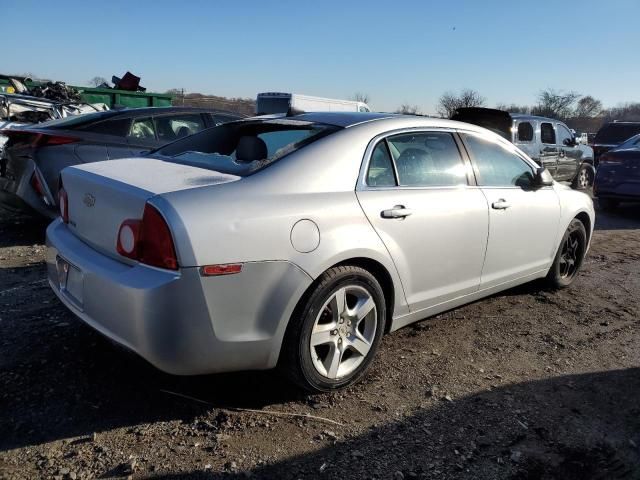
(571, 255)
(343, 332)
(583, 178)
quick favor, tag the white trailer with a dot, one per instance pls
(269, 103)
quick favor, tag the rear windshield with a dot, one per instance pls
(241, 148)
(271, 105)
(615, 133)
(632, 142)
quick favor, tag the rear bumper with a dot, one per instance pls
(17, 194)
(615, 185)
(181, 322)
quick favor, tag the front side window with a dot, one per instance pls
(497, 166)
(525, 132)
(547, 133)
(171, 128)
(427, 159)
(564, 135)
(142, 129)
(380, 172)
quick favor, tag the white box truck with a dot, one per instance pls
(269, 103)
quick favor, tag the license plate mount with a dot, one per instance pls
(70, 281)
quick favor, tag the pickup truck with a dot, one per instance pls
(549, 142)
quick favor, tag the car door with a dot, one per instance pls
(548, 148)
(523, 221)
(569, 155)
(415, 192)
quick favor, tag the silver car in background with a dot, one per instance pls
(299, 241)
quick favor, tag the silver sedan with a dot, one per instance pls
(297, 242)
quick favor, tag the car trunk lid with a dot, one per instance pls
(102, 195)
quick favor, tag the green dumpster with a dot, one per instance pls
(113, 97)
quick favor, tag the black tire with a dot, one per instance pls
(569, 257)
(584, 178)
(608, 204)
(296, 361)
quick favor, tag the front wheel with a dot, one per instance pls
(570, 255)
(335, 332)
(584, 178)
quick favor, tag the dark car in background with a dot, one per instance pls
(611, 135)
(34, 156)
(618, 175)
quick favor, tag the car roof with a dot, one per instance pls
(524, 116)
(342, 119)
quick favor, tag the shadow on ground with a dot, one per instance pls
(577, 427)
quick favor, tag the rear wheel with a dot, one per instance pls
(570, 255)
(335, 332)
(584, 178)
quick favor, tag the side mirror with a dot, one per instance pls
(542, 178)
(569, 142)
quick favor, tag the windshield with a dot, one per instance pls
(632, 142)
(241, 148)
(615, 133)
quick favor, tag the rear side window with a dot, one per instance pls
(497, 166)
(142, 129)
(525, 132)
(380, 172)
(429, 159)
(117, 127)
(172, 127)
(547, 133)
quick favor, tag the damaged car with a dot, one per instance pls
(298, 242)
(34, 155)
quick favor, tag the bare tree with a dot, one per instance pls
(407, 109)
(449, 102)
(361, 97)
(97, 81)
(588, 107)
(627, 111)
(555, 104)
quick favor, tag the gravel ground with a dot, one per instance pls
(526, 384)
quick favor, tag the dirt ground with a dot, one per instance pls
(527, 384)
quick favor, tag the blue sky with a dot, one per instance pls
(396, 52)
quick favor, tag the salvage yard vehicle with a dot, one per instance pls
(550, 143)
(611, 135)
(299, 241)
(269, 103)
(34, 156)
(618, 175)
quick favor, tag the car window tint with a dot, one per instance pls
(563, 134)
(380, 172)
(429, 159)
(172, 127)
(525, 132)
(142, 128)
(118, 127)
(497, 166)
(547, 133)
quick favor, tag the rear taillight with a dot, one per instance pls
(608, 159)
(36, 139)
(148, 240)
(63, 202)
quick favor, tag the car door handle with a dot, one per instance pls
(501, 204)
(399, 211)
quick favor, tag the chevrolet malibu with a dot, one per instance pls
(297, 242)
